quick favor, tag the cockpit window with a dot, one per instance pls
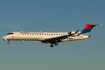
(9, 33)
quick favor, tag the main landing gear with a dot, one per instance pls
(52, 45)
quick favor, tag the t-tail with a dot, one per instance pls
(88, 28)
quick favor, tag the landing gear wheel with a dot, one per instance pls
(8, 42)
(56, 44)
(52, 45)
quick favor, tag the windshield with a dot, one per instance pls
(9, 33)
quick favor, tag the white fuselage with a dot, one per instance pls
(50, 37)
(41, 36)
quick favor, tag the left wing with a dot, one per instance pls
(58, 39)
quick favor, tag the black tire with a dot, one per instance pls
(52, 45)
(56, 44)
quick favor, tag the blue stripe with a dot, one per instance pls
(86, 30)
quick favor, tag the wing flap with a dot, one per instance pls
(58, 39)
(52, 40)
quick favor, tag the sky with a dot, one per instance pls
(52, 16)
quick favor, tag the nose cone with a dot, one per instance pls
(4, 38)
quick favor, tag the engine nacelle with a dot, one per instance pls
(71, 32)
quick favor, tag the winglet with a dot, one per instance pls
(77, 30)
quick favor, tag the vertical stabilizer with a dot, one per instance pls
(87, 28)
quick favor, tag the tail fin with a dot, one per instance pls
(87, 28)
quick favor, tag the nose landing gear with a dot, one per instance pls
(8, 42)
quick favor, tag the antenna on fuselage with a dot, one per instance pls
(22, 31)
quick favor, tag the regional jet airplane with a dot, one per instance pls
(50, 37)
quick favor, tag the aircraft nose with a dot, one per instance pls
(4, 38)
